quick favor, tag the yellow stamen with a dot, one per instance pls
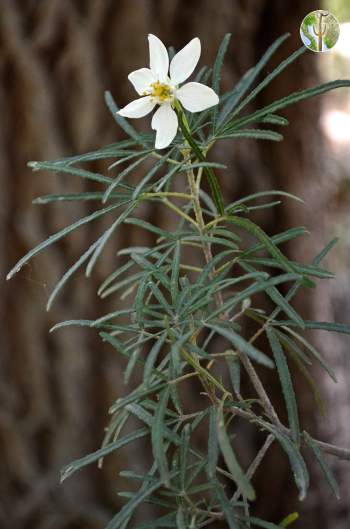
(162, 92)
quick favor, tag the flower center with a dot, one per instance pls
(162, 92)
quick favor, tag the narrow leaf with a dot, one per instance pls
(324, 467)
(242, 345)
(226, 505)
(151, 358)
(180, 519)
(231, 461)
(95, 456)
(213, 447)
(234, 368)
(267, 80)
(158, 428)
(301, 475)
(286, 383)
(256, 134)
(122, 122)
(174, 284)
(59, 235)
(257, 232)
(291, 99)
(251, 75)
(104, 239)
(213, 183)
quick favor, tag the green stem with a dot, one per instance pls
(194, 189)
(213, 183)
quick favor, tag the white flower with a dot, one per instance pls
(159, 85)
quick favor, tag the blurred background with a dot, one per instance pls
(56, 59)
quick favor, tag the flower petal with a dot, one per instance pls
(141, 80)
(158, 57)
(138, 108)
(165, 123)
(196, 97)
(185, 61)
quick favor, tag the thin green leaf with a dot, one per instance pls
(68, 470)
(291, 99)
(218, 64)
(279, 238)
(125, 512)
(213, 183)
(242, 345)
(325, 251)
(277, 298)
(226, 505)
(260, 194)
(267, 80)
(213, 447)
(104, 239)
(303, 269)
(132, 361)
(120, 177)
(135, 396)
(74, 171)
(72, 197)
(257, 232)
(259, 286)
(249, 78)
(168, 520)
(301, 475)
(154, 229)
(59, 235)
(230, 98)
(151, 358)
(158, 428)
(180, 519)
(258, 522)
(184, 452)
(122, 122)
(256, 134)
(274, 119)
(230, 459)
(149, 175)
(315, 354)
(342, 328)
(69, 273)
(174, 282)
(283, 304)
(324, 467)
(160, 298)
(286, 383)
(234, 369)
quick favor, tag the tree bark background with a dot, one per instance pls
(56, 59)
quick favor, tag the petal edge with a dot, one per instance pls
(165, 123)
(158, 57)
(196, 97)
(138, 108)
(185, 61)
(141, 80)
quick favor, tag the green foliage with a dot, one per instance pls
(187, 322)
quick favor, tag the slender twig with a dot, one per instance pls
(248, 366)
(341, 453)
(180, 212)
(167, 194)
(255, 464)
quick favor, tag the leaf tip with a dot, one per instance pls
(33, 165)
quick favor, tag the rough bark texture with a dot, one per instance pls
(56, 59)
